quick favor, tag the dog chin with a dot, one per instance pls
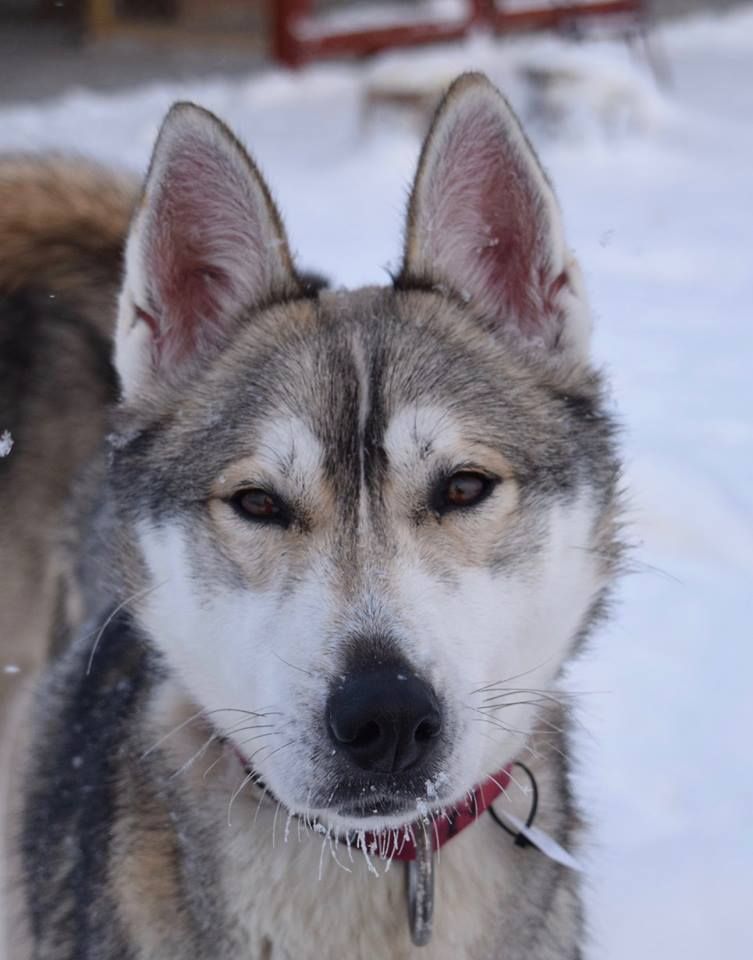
(378, 813)
(346, 820)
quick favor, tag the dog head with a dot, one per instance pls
(378, 520)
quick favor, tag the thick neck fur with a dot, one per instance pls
(283, 889)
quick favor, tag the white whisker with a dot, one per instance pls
(134, 596)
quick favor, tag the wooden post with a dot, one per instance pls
(480, 11)
(100, 17)
(286, 46)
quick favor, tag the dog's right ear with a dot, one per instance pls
(483, 223)
(206, 247)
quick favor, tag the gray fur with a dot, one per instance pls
(130, 845)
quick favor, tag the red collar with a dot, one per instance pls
(442, 825)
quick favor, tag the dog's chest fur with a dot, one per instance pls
(162, 865)
(286, 895)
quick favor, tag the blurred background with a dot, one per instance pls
(47, 45)
(643, 115)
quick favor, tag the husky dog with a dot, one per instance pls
(327, 569)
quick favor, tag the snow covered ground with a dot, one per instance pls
(658, 197)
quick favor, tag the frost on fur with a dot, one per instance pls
(483, 221)
(206, 245)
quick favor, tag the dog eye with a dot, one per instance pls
(261, 506)
(463, 489)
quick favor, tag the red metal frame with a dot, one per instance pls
(293, 49)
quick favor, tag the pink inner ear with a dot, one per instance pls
(486, 220)
(205, 248)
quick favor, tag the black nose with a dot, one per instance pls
(384, 720)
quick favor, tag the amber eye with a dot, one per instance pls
(463, 489)
(260, 505)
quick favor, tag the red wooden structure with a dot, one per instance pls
(297, 39)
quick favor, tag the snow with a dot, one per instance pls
(6, 443)
(379, 15)
(658, 198)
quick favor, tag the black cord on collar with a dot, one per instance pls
(520, 839)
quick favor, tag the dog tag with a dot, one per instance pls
(543, 842)
(421, 889)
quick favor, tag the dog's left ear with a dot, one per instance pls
(483, 221)
(206, 248)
